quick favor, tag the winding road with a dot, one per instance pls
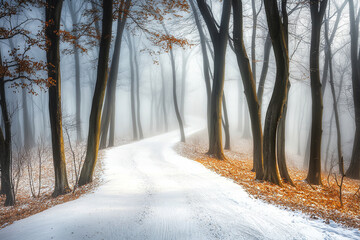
(150, 192)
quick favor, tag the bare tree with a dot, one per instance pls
(87, 170)
(317, 9)
(219, 38)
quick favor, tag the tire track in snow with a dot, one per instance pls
(150, 192)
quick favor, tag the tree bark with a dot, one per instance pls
(317, 9)
(280, 144)
(108, 115)
(253, 41)
(176, 106)
(265, 68)
(138, 110)
(226, 125)
(53, 16)
(337, 118)
(279, 36)
(87, 170)
(206, 63)
(132, 89)
(250, 89)
(27, 129)
(219, 39)
(183, 85)
(74, 19)
(5, 146)
(163, 98)
(2, 165)
(354, 168)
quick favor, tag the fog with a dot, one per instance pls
(155, 67)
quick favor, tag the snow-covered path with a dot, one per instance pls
(152, 193)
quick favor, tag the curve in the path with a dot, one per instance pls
(150, 192)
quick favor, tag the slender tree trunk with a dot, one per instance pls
(331, 121)
(240, 107)
(226, 125)
(247, 132)
(354, 168)
(253, 41)
(206, 63)
(181, 126)
(2, 164)
(183, 85)
(87, 170)
(5, 146)
(112, 127)
(138, 110)
(105, 119)
(176, 106)
(280, 144)
(301, 120)
(152, 103)
(329, 142)
(265, 68)
(27, 129)
(28, 135)
(279, 35)
(163, 99)
(317, 14)
(337, 118)
(132, 88)
(250, 89)
(331, 38)
(108, 116)
(74, 19)
(53, 15)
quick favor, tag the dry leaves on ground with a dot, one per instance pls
(316, 201)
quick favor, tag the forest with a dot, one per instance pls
(273, 83)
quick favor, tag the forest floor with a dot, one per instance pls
(29, 199)
(318, 202)
(151, 192)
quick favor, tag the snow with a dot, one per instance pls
(150, 192)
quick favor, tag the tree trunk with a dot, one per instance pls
(87, 170)
(279, 36)
(108, 115)
(2, 166)
(280, 144)
(74, 19)
(219, 40)
(5, 146)
(250, 89)
(53, 16)
(226, 125)
(104, 129)
(132, 88)
(181, 126)
(354, 168)
(176, 106)
(240, 107)
(27, 129)
(138, 110)
(247, 132)
(253, 41)
(163, 98)
(317, 14)
(28, 136)
(265, 68)
(206, 63)
(183, 86)
(337, 118)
